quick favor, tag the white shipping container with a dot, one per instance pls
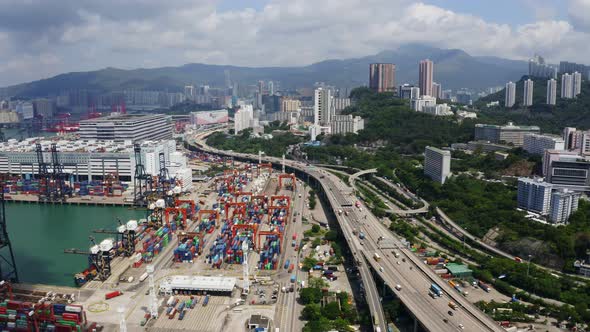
(71, 308)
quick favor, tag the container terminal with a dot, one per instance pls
(206, 255)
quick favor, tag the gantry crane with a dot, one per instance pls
(43, 175)
(142, 182)
(99, 257)
(8, 269)
(127, 234)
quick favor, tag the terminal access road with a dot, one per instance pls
(413, 275)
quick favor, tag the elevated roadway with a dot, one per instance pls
(413, 276)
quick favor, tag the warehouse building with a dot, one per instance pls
(214, 285)
(88, 160)
(459, 270)
(133, 127)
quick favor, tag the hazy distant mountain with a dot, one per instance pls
(453, 68)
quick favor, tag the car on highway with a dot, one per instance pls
(450, 313)
(461, 326)
(398, 263)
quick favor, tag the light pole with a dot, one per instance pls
(528, 266)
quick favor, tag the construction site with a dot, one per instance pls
(204, 259)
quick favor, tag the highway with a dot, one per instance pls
(413, 275)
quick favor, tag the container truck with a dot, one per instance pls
(436, 290)
(206, 301)
(377, 257)
(293, 243)
(181, 316)
(483, 286)
(111, 295)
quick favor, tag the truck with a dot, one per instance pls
(111, 295)
(293, 278)
(452, 305)
(361, 235)
(294, 236)
(483, 286)
(181, 316)
(518, 259)
(206, 301)
(377, 257)
(436, 290)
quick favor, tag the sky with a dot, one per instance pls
(41, 38)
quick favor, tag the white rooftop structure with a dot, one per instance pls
(198, 283)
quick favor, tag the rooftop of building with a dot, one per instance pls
(259, 320)
(219, 284)
(455, 268)
(553, 137)
(437, 150)
(509, 125)
(122, 117)
(72, 145)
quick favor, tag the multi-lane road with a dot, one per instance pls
(408, 270)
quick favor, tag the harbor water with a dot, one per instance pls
(40, 233)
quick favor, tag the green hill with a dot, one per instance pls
(552, 119)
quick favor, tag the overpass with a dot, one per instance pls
(413, 276)
(392, 210)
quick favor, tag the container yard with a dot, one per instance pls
(239, 223)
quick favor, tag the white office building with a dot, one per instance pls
(418, 104)
(527, 99)
(534, 195)
(538, 143)
(133, 127)
(437, 164)
(343, 124)
(244, 118)
(340, 104)
(576, 84)
(563, 204)
(510, 97)
(567, 86)
(551, 92)
(438, 110)
(323, 109)
(407, 91)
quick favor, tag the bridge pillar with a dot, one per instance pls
(415, 324)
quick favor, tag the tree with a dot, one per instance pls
(311, 312)
(317, 283)
(310, 295)
(315, 228)
(331, 235)
(331, 310)
(309, 263)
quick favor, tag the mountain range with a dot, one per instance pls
(454, 69)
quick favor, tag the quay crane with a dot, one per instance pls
(99, 260)
(127, 233)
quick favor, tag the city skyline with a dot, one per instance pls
(42, 39)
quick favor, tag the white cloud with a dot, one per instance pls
(135, 33)
(579, 11)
